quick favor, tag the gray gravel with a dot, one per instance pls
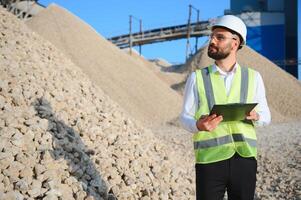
(279, 162)
(279, 158)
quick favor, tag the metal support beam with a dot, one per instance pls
(130, 35)
(130, 41)
(198, 20)
(161, 34)
(188, 33)
(141, 33)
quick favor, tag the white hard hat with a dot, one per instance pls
(233, 23)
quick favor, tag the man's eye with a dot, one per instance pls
(220, 37)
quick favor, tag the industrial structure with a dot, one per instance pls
(191, 29)
(272, 28)
(272, 31)
(161, 34)
(22, 9)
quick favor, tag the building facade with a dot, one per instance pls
(272, 29)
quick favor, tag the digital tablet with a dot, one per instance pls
(233, 112)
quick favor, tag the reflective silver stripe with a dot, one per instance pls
(208, 87)
(244, 85)
(212, 142)
(237, 137)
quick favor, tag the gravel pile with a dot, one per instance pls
(279, 158)
(279, 162)
(160, 69)
(128, 81)
(61, 137)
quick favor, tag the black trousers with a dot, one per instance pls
(236, 175)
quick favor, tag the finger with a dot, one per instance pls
(251, 117)
(253, 112)
(203, 116)
(254, 116)
(220, 118)
(211, 117)
(216, 121)
(211, 122)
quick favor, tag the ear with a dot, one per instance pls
(235, 44)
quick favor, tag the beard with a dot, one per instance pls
(217, 53)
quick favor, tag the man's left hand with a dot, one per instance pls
(253, 115)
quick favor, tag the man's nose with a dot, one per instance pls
(212, 41)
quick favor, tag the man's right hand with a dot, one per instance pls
(208, 122)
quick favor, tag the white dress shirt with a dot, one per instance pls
(191, 99)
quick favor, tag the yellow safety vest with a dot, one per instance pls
(228, 137)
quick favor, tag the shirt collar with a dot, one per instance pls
(216, 68)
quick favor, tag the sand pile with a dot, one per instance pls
(61, 137)
(136, 88)
(161, 69)
(283, 90)
(160, 62)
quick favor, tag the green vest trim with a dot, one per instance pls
(228, 137)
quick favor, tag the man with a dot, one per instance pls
(225, 151)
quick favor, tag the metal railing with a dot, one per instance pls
(161, 34)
